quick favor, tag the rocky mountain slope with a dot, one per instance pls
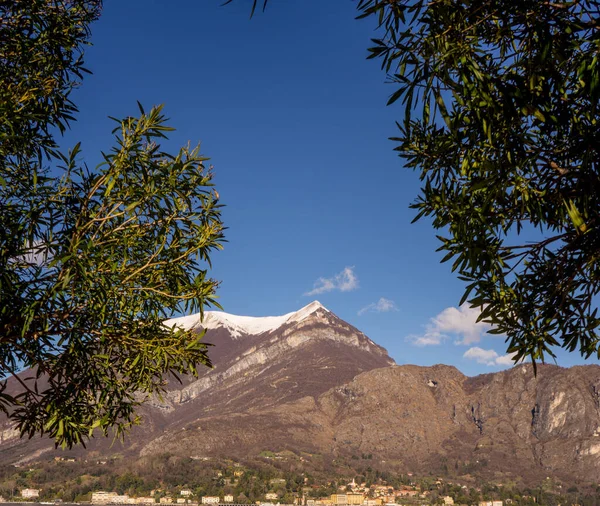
(312, 384)
(258, 363)
(505, 426)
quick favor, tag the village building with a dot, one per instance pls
(144, 500)
(407, 493)
(373, 502)
(30, 493)
(354, 498)
(339, 499)
(379, 490)
(102, 497)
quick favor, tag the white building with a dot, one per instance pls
(30, 493)
(448, 501)
(228, 498)
(102, 497)
(185, 493)
(210, 499)
(271, 496)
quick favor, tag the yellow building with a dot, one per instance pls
(355, 499)
(339, 499)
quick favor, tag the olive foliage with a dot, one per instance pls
(500, 118)
(92, 261)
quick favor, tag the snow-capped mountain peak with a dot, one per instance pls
(240, 325)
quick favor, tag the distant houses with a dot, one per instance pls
(361, 496)
(144, 500)
(102, 497)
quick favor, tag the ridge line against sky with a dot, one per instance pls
(293, 117)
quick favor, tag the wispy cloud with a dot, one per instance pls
(488, 357)
(383, 305)
(345, 281)
(458, 322)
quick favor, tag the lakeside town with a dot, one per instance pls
(274, 479)
(378, 495)
(351, 494)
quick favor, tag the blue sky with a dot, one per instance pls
(294, 119)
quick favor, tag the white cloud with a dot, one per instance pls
(488, 357)
(460, 322)
(481, 356)
(383, 305)
(345, 281)
(427, 339)
(505, 360)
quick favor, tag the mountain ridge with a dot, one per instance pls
(238, 325)
(310, 382)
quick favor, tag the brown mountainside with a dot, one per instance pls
(309, 382)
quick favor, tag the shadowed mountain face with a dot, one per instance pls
(258, 363)
(270, 361)
(308, 381)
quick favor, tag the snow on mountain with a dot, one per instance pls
(244, 325)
